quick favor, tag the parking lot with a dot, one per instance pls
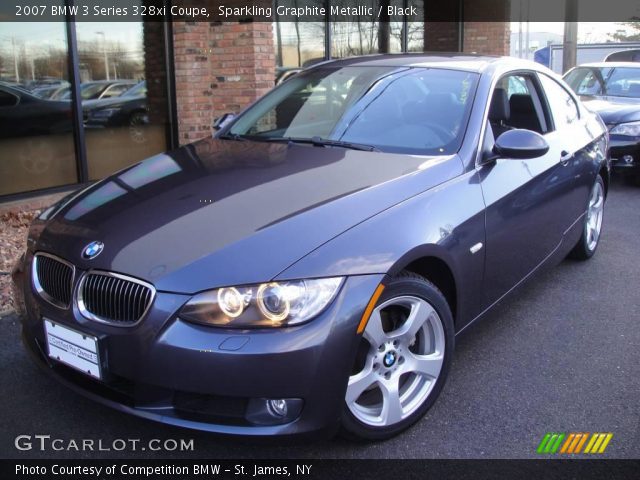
(560, 355)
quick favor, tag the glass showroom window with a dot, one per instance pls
(123, 93)
(362, 36)
(36, 133)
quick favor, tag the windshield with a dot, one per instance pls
(140, 90)
(87, 91)
(417, 110)
(605, 81)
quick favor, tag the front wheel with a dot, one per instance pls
(403, 360)
(590, 238)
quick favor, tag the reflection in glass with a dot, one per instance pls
(36, 142)
(123, 93)
(297, 45)
(364, 37)
(150, 170)
(95, 199)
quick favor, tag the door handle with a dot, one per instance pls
(565, 157)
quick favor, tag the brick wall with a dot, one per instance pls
(220, 67)
(441, 36)
(491, 38)
(155, 72)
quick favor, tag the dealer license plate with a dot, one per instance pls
(75, 349)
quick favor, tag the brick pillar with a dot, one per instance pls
(155, 72)
(220, 67)
(441, 36)
(490, 38)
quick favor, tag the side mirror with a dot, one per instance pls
(519, 144)
(220, 122)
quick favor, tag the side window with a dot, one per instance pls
(563, 106)
(590, 85)
(115, 90)
(7, 100)
(517, 85)
(516, 104)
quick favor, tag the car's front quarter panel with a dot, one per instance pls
(443, 222)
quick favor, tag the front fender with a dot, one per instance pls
(443, 222)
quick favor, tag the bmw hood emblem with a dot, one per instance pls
(92, 250)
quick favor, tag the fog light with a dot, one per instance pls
(277, 407)
(627, 159)
(273, 411)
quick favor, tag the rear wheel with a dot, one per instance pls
(137, 125)
(402, 362)
(588, 243)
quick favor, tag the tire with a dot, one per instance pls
(388, 357)
(592, 228)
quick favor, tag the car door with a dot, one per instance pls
(524, 211)
(575, 177)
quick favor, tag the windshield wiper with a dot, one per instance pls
(325, 142)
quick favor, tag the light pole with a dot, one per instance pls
(104, 51)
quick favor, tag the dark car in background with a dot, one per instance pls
(24, 114)
(128, 110)
(308, 268)
(612, 89)
(101, 89)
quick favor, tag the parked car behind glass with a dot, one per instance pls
(128, 110)
(24, 114)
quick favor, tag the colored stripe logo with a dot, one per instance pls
(573, 443)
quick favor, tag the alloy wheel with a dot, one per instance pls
(404, 357)
(594, 216)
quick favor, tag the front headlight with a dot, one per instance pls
(273, 304)
(631, 129)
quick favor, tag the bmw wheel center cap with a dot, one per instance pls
(389, 359)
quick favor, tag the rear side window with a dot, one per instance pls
(563, 107)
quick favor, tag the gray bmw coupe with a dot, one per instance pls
(307, 269)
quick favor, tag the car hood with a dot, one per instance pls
(614, 110)
(224, 212)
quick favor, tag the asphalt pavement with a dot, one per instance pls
(560, 355)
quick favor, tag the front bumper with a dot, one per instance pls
(193, 376)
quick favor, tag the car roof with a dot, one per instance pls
(610, 64)
(99, 82)
(17, 90)
(454, 60)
